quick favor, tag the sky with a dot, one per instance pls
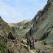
(13, 11)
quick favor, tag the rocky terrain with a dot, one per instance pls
(35, 36)
(4, 29)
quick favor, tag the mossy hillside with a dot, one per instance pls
(3, 43)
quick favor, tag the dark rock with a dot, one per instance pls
(10, 36)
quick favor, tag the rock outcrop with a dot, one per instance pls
(42, 23)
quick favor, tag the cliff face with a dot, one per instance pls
(43, 23)
(39, 19)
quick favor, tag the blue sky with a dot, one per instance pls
(13, 11)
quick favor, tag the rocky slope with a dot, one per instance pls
(40, 28)
(21, 28)
(43, 23)
(4, 29)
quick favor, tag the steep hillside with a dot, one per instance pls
(4, 26)
(4, 29)
(43, 23)
(21, 28)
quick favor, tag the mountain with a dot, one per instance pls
(40, 29)
(21, 28)
(43, 24)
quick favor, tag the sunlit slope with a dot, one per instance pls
(46, 25)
